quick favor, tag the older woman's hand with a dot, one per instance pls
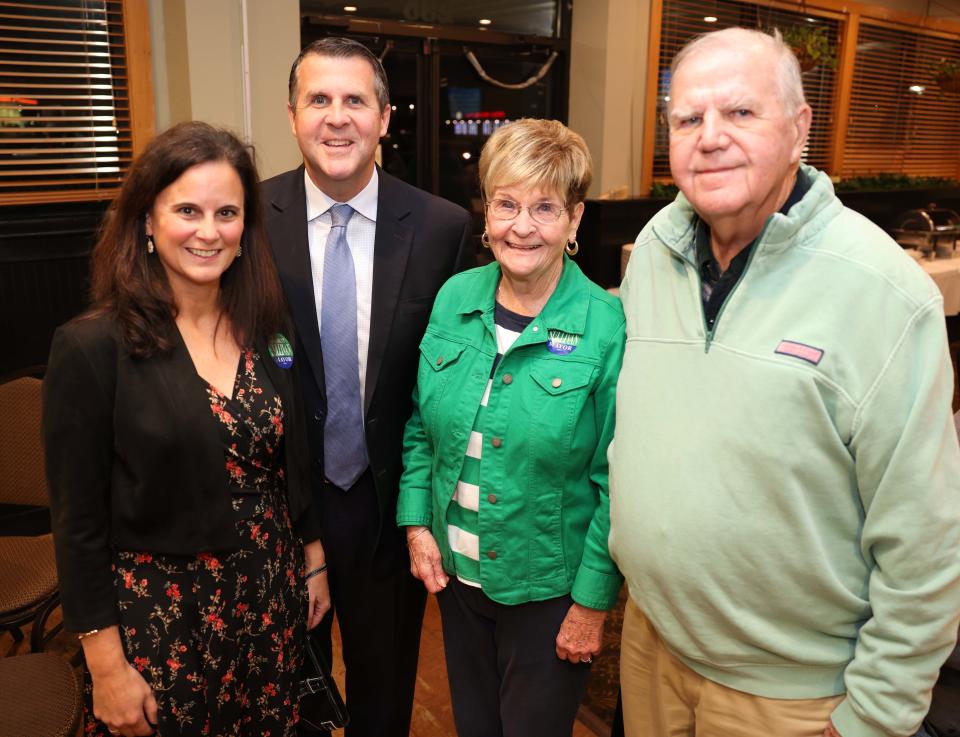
(425, 559)
(581, 634)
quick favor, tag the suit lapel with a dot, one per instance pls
(391, 250)
(291, 250)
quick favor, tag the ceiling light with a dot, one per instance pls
(350, 8)
(919, 89)
(412, 106)
(709, 19)
(485, 21)
(811, 20)
(466, 155)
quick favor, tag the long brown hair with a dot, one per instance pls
(132, 284)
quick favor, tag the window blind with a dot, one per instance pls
(901, 118)
(65, 126)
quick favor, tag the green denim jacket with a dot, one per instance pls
(544, 505)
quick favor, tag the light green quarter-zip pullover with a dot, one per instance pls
(785, 488)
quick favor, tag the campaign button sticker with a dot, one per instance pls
(561, 343)
(281, 351)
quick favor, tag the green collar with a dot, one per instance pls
(566, 310)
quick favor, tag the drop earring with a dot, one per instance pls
(150, 247)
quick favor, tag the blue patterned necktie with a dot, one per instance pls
(344, 443)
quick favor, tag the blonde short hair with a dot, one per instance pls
(541, 154)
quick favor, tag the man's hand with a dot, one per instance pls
(581, 634)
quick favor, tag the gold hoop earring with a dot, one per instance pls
(150, 247)
(485, 239)
(572, 249)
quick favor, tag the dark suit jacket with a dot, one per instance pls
(421, 241)
(135, 461)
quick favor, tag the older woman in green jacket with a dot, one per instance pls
(504, 493)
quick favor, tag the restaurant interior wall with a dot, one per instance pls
(608, 62)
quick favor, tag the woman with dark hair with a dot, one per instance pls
(176, 458)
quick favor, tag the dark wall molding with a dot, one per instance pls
(44, 275)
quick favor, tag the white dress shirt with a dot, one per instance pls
(361, 233)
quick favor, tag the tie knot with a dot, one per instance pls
(341, 214)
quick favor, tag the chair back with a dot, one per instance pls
(22, 477)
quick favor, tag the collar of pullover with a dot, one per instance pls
(675, 224)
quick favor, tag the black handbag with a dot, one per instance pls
(321, 708)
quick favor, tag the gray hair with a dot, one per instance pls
(340, 48)
(789, 81)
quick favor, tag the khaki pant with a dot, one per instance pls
(662, 697)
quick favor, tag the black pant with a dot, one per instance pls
(379, 609)
(505, 677)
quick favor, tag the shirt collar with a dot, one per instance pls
(565, 310)
(365, 202)
(704, 253)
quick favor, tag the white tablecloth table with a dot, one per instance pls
(946, 273)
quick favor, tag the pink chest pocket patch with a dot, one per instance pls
(800, 350)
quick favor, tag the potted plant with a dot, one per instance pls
(811, 45)
(947, 74)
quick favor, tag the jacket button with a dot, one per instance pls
(508, 378)
(492, 554)
(492, 498)
(496, 442)
(318, 416)
(439, 360)
(556, 382)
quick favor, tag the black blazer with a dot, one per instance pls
(421, 241)
(135, 461)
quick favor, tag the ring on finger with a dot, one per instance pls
(588, 659)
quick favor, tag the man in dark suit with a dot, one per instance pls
(361, 256)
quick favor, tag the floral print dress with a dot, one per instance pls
(218, 636)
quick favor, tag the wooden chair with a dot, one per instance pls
(39, 696)
(28, 572)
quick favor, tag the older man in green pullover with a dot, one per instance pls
(785, 477)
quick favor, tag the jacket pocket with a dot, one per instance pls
(440, 359)
(560, 377)
(440, 353)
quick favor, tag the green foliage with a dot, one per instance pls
(946, 68)
(666, 191)
(811, 44)
(894, 181)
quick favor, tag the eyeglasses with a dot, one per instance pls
(545, 213)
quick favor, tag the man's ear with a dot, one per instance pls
(384, 120)
(801, 124)
(292, 119)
